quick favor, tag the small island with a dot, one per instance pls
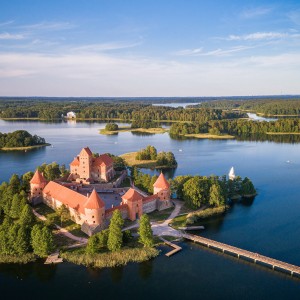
(20, 140)
(146, 127)
(149, 158)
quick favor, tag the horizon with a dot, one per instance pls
(159, 49)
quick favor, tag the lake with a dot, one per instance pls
(269, 225)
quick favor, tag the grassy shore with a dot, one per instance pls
(155, 130)
(23, 148)
(210, 136)
(17, 259)
(109, 259)
(283, 133)
(132, 162)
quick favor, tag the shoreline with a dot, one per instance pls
(24, 148)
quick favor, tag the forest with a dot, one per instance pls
(236, 127)
(20, 138)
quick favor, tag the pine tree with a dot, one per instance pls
(15, 207)
(21, 244)
(27, 217)
(145, 231)
(115, 240)
(41, 240)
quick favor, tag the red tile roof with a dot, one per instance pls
(87, 151)
(75, 162)
(38, 178)
(66, 196)
(103, 159)
(132, 195)
(150, 198)
(94, 201)
(161, 182)
(119, 207)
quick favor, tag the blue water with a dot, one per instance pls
(269, 225)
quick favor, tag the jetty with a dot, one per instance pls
(187, 228)
(53, 259)
(245, 254)
(175, 247)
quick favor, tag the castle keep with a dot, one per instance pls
(87, 208)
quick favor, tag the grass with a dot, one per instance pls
(110, 259)
(17, 259)
(160, 216)
(129, 129)
(179, 221)
(23, 148)
(131, 161)
(210, 136)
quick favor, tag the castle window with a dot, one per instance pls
(94, 222)
(93, 216)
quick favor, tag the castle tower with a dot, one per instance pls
(231, 174)
(85, 163)
(94, 209)
(162, 188)
(37, 184)
(134, 200)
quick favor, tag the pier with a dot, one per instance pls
(176, 248)
(245, 254)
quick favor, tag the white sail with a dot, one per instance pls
(231, 174)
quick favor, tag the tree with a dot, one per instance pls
(115, 241)
(41, 240)
(63, 213)
(111, 127)
(216, 197)
(26, 180)
(97, 242)
(21, 244)
(14, 184)
(15, 209)
(247, 187)
(27, 217)
(145, 231)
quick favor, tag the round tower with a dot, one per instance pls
(94, 209)
(162, 188)
(37, 184)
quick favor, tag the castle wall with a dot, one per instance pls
(150, 206)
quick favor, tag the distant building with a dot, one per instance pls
(231, 174)
(88, 169)
(71, 115)
(89, 210)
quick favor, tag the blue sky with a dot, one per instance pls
(149, 48)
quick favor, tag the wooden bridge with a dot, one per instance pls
(251, 256)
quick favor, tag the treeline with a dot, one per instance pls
(267, 107)
(20, 233)
(236, 127)
(20, 138)
(143, 181)
(213, 190)
(165, 159)
(46, 110)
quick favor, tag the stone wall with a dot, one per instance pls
(161, 205)
(150, 206)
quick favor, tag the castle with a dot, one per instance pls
(89, 209)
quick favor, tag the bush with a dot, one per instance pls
(111, 127)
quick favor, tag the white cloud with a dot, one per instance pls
(52, 26)
(216, 52)
(256, 12)
(9, 36)
(6, 23)
(99, 74)
(294, 16)
(262, 36)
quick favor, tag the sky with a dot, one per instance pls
(134, 48)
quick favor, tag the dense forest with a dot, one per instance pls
(237, 127)
(114, 110)
(267, 107)
(20, 138)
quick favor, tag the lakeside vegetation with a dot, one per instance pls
(20, 140)
(152, 130)
(236, 128)
(149, 158)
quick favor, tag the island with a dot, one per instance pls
(97, 215)
(20, 140)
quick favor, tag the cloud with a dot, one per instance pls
(9, 36)
(216, 52)
(262, 36)
(255, 12)
(51, 26)
(6, 23)
(105, 47)
(294, 16)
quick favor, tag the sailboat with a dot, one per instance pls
(231, 174)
